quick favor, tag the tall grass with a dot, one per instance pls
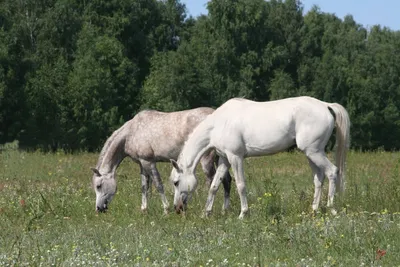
(47, 216)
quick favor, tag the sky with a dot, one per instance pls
(366, 12)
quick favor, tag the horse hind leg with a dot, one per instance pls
(226, 182)
(160, 187)
(207, 164)
(321, 166)
(318, 176)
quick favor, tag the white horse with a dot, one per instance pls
(242, 128)
(150, 137)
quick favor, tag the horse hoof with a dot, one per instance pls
(314, 214)
(333, 212)
(206, 214)
(243, 214)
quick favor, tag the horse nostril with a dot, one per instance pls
(178, 208)
(99, 209)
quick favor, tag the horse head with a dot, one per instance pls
(184, 185)
(105, 186)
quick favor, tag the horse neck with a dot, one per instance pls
(195, 147)
(113, 152)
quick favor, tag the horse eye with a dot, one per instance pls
(98, 186)
(176, 183)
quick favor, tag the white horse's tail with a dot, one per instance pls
(342, 121)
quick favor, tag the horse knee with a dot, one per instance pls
(160, 187)
(332, 173)
(318, 180)
(317, 183)
(144, 189)
(241, 187)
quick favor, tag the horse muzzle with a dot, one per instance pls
(102, 208)
(179, 207)
(182, 204)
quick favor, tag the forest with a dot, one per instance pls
(73, 71)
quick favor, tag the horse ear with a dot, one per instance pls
(96, 171)
(175, 165)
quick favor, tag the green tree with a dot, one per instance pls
(102, 88)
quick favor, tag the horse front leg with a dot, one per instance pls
(238, 171)
(222, 170)
(145, 187)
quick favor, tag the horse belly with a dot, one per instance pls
(155, 148)
(266, 143)
(168, 150)
(252, 140)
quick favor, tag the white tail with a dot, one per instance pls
(342, 142)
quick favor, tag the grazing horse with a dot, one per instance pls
(150, 137)
(242, 128)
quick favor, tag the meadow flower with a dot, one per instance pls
(328, 244)
(380, 253)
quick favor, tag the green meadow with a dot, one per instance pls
(48, 218)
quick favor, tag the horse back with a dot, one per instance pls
(259, 128)
(155, 135)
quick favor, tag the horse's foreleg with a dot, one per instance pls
(160, 187)
(145, 182)
(238, 171)
(222, 171)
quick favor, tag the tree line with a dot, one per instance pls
(72, 71)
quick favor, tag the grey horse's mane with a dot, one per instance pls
(107, 145)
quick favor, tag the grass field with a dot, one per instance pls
(47, 216)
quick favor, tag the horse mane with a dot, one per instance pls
(240, 98)
(107, 145)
